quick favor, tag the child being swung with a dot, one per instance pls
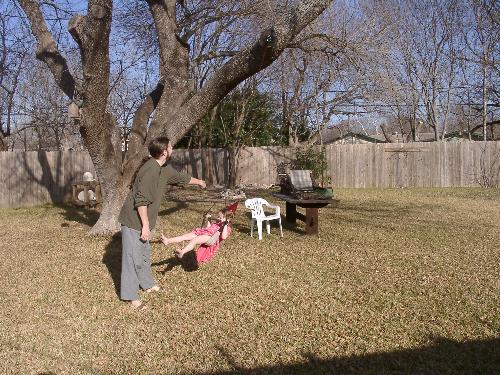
(200, 236)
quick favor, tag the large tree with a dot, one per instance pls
(172, 108)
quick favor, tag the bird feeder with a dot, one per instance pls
(73, 111)
(86, 193)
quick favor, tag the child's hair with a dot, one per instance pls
(228, 214)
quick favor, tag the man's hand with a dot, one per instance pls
(143, 214)
(145, 233)
(203, 184)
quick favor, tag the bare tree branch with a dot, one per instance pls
(47, 50)
(261, 54)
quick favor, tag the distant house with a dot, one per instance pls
(334, 136)
(358, 138)
(456, 136)
(460, 136)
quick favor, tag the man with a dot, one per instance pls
(138, 217)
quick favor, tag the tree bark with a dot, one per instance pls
(388, 137)
(3, 142)
(207, 172)
(233, 166)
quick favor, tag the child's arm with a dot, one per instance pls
(226, 231)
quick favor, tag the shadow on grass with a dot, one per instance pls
(188, 263)
(442, 356)
(82, 215)
(297, 227)
(112, 259)
(168, 211)
(380, 216)
(382, 208)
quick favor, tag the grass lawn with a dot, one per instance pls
(398, 281)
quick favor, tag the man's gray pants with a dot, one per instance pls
(136, 265)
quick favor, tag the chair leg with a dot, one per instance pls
(251, 227)
(259, 228)
(281, 229)
(268, 227)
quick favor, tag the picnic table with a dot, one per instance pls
(312, 206)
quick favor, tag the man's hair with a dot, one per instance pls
(157, 146)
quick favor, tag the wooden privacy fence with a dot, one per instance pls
(32, 178)
(429, 164)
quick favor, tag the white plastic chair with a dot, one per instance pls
(258, 215)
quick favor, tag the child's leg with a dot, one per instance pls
(198, 240)
(185, 237)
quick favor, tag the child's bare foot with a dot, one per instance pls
(164, 240)
(179, 253)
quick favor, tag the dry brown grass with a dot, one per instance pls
(397, 281)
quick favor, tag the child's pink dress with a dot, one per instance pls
(204, 252)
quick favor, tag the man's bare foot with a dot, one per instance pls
(164, 240)
(155, 288)
(137, 305)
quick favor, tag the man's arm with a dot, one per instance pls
(195, 181)
(143, 214)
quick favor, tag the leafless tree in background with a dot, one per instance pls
(14, 51)
(325, 74)
(480, 27)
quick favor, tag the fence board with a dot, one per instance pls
(29, 178)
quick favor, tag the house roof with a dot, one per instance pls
(333, 135)
(430, 137)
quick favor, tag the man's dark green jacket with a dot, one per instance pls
(148, 189)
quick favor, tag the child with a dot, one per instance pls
(199, 236)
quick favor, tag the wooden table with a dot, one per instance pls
(311, 218)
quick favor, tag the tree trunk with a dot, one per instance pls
(111, 206)
(3, 142)
(233, 166)
(387, 135)
(413, 127)
(114, 189)
(484, 112)
(206, 152)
